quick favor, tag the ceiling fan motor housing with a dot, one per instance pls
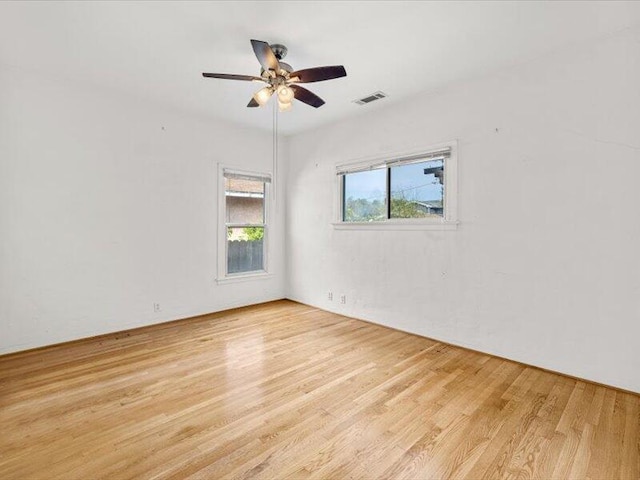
(283, 66)
(280, 51)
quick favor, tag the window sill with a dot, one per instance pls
(243, 278)
(390, 225)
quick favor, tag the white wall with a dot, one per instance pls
(545, 265)
(108, 205)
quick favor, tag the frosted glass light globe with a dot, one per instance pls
(263, 95)
(285, 94)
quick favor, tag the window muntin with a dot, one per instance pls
(414, 188)
(245, 223)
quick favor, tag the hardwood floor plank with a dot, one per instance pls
(284, 390)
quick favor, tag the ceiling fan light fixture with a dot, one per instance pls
(285, 94)
(263, 95)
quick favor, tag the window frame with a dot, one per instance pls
(222, 275)
(449, 220)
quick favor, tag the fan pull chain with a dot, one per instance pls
(275, 150)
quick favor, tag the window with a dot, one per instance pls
(416, 190)
(244, 211)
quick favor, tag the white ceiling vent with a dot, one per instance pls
(370, 98)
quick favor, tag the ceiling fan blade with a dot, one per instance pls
(305, 96)
(265, 55)
(228, 76)
(253, 103)
(318, 74)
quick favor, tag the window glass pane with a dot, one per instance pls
(244, 201)
(245, 249)
(417, 190)
(365, 196)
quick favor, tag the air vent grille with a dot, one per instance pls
(370, 98)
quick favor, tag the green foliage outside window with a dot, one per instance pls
(254, 233)
(363, 210)
(403, 208)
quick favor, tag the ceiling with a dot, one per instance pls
(157, 50)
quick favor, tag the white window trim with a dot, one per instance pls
(448, 222)
(222, 276)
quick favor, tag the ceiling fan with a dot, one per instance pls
(282, 79)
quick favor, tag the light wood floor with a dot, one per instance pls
(283, 390)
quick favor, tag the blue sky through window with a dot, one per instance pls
(369, 185)
(408, 181)
(411, 183)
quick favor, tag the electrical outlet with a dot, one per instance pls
(156, 307)
(330, 296)
(343, 299)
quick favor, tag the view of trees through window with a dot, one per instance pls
(416, 190)
(365, 197)
(246, 233)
